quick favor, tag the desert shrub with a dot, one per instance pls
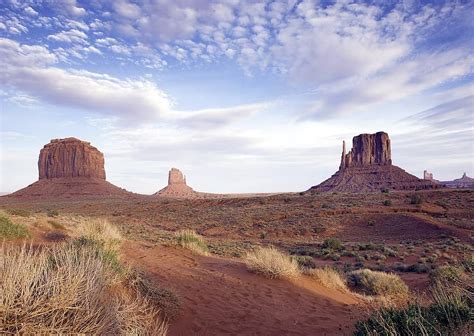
(384, 190)
(416, 199)
(52, 213)
(271, 263)
(304, 261)
(9, 229)
(67, 289)
(447, 274)
(387, 202)
(19, 212)
(189, 239)
(448, 315)
(329, 277)
(56, 225)
(378, 283)
(389, 252)
(332, 243)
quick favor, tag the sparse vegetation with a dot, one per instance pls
(378, 283)
(67, 289)
(56, 225)
(19, 212)
(9, 229)
(387, 202)
(416, 199)
(271, 263)
(329, 277)
(333, 243)
(190, 240)
(449, 314)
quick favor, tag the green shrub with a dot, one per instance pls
(332, 243)
(448, 315)
(304, 261)
(19, 212)
(416, 199)
(387, 202)
(9, 229)
(385, 190)
(378, 283)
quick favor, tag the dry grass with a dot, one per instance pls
(379, 283)
(272, 263)
(101, 231)
(67, 289)
(190, 240)
(329, 277)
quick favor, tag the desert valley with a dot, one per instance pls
(237, 167)
(198, 253)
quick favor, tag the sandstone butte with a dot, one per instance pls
(177, 186)
(368, 167)
(70, 167)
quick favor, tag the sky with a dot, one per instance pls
(242, 96)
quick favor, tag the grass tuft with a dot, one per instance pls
(329, 277)
(272, 263)
(378, 283)
(190, 240)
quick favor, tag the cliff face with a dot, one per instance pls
(177, 186)
(70, 157)
(367, 150)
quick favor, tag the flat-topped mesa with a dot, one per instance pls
(367, 150)
(70, 158)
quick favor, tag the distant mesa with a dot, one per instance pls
(177, 186)
(70, 167)
(368, 167)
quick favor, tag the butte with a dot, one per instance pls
(368, 167)
(70, 168)
(177, 186)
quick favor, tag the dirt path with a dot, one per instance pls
(220, 297)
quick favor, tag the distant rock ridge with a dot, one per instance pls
(463, 182)
(70, 168)
(177, 186)
(368, 167)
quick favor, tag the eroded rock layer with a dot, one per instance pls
(70, 157)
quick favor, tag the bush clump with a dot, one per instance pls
(272, 263)
(378, 283)
(9, 229)
(416, 199)
(333, 244)
(19, 212)
(449, 314)
(190, 240)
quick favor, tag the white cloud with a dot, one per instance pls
(29, 69)
(70, 36)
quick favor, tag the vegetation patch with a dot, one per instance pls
(190, 240)
(378, 283)
(19, 212)
(271, 263)
(9, 229)
(329, 277)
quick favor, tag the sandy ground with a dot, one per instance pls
(220, 296)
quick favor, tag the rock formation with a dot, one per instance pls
(70, 157)
(177, 186)
(368, 167)
(70, 168)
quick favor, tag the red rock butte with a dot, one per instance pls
(177, 186)
(368, 167)
(68, 168)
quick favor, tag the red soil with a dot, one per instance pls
(220, 296)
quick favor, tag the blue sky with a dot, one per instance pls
(242, 96)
